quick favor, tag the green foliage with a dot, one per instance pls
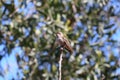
(86, 24)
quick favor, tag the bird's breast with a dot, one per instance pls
(60, 41)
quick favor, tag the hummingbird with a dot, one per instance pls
(63, 42)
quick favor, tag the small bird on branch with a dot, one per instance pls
(63, 42)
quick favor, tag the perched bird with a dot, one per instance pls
(63, 42)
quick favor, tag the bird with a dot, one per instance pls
(63, 42)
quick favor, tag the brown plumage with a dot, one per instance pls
(62, 41)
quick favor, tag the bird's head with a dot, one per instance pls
(59, 34)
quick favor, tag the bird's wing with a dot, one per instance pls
(67, 45)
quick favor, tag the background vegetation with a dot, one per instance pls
(92, 26)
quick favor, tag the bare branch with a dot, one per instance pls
(60, 63)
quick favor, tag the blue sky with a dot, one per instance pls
(9, 65)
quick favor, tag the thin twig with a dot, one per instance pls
(60, 64)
